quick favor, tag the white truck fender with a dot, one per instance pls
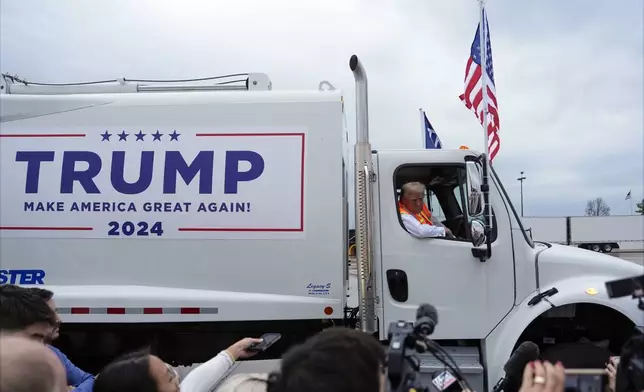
(587, 289)
(498, 345)
(584, 289)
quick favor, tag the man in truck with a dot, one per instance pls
(416, 216)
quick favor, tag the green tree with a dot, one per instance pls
(640, 208)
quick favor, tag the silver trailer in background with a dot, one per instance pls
(596, 233)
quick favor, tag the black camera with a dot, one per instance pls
(401, 371)
(627, 287)
(406, 340)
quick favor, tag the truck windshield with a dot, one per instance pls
(498, 183)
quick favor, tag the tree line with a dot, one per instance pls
(599, 207)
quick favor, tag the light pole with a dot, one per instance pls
(520, 179)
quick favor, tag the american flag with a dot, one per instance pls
(431, 137)
(473, 97)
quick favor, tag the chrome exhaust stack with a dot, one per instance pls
(364, 176)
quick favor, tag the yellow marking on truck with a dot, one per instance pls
(591, 291)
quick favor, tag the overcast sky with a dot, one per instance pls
(569, 74)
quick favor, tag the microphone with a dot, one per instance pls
(426, 320)
(514, 367)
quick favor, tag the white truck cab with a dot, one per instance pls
(187, 215)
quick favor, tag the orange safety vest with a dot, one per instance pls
(424, 217)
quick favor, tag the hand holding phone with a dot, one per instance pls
(611, 369)
(543, 376)
(239, 349)
(267, 340)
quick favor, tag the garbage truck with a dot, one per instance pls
(184, 215)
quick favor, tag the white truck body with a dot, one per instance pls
(280, 257)
(202, 258)
(599, 233)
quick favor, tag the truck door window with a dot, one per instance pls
(434, 205)
(457, 195)
(449, 191)
(443, 195)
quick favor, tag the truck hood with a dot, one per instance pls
(560, 262)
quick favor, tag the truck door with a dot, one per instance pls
(471, 296)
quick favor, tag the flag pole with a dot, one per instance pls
(484, 122)
(483, 46)
(422, 128)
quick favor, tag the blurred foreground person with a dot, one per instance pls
(48, 297)
(543, 377)
(337, 359)
(77, 378)
(27, 366)
(31, 313)
(629, 372)
(143, 372)
(24, 313)
(245, 382)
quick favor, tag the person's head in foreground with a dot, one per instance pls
(246, 382)
(137, 372)
(337, 359)
(628, 372)
(29, 366)
(412, 195)
(25, 313)
(48, 297)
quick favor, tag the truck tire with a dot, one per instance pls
(607, 248)
(595, 248)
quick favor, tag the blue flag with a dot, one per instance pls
(430, 136)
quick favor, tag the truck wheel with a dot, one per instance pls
(607, 248)
(595, 248)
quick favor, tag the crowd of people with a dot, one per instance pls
(337, 359)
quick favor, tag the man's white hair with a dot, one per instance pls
(415, 186)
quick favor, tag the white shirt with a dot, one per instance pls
(207, 375)
(418, 230)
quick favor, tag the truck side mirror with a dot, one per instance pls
(475, 202)
(475, 195)
(478, 204)
(478, 233)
